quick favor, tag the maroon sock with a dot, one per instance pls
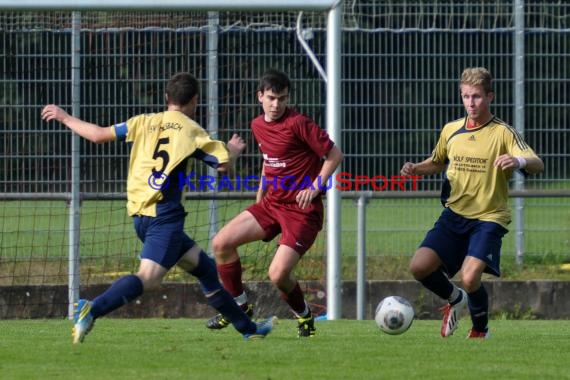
(295, 299)
(230, 274)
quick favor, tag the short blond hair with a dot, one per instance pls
(477, 76)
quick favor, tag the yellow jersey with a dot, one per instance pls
(160, 143)
(474, 187)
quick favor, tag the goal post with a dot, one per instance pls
(333, 102)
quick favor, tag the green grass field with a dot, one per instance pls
(185, 349)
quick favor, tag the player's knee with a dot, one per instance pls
(278, 278)
(418, 270)
(220, 247)
(217, 244)
(273, 277)
(150, 282)
(471, 274)
(470, 281)
(424, 262)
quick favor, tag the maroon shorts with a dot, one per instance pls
(298, 228)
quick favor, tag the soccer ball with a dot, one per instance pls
(394, 315)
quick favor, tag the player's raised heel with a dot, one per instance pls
(451, 315)
(218, 322)
(263, 328)
(83, 320)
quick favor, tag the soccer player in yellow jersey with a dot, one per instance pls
(161, 146)
(478, 153)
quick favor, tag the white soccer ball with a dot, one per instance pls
(394, 315)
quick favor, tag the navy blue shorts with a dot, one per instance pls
(163, 237)
(454, 237)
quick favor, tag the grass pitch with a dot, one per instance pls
(343, 349)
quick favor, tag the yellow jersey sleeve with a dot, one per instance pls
(439, 154)
(515, 144)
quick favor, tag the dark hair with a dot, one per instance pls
(181, 88)
(274, 80)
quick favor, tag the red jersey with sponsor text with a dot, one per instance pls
(293, 149)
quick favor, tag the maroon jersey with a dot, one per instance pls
(293, 148)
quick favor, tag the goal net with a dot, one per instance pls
(125, 60)
(400, 64)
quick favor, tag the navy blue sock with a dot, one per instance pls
(207, 273)
(225, 304)
(218, 297)
(438, 283)
(121, 292)
(479, 309)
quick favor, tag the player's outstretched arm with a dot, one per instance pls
(425, 167)
(89, 131)
(534, 165)
(235, 146)
(531, 165)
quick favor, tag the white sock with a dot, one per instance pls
(241, 299)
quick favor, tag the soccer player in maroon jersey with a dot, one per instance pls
(298, 161)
